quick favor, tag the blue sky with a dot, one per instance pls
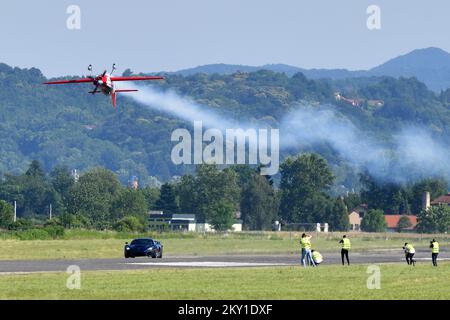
(155, 35)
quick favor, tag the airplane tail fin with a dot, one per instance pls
(114, 94)
(114, 98)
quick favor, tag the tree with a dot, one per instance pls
(374, 221)
(130, 202)
(129, 224)
(317, 208)
(388, 197)
(221, 215)
(62, 181)
(187, 194)
(210, 186)
(338, 218)
(303, 179)
(35, 170)
(92, 196)
(36, 193)
(151, 195)
(259, 205)
(403, 223)
(6, 214)
(167, 200)
(352, 200)
(436, 186)
(435, 219)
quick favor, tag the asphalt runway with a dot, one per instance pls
(231, 261)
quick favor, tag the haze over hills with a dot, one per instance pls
(429, 65)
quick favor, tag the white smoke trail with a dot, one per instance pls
(182, 107)
(410, 154)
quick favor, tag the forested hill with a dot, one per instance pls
(65, 125)
(429, 65)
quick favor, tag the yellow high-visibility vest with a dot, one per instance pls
(305, 243)
(346, 244)
(410, 248)
(435, 248)
(317, 257)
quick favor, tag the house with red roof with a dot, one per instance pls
(393, 219)
(442, 200)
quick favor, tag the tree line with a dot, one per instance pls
(98, 200)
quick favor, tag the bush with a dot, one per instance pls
(403, 223)
(435, 219)
(6, 214)
(21, 225)
(374, 221)
(55, 231)
(33, 234)
(129, 224)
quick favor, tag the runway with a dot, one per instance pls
(228, 261)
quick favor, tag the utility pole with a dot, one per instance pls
(15, 211)
(50, 211)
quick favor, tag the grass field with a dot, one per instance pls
(398, 281)
(107, 245)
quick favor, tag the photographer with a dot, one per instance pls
(434, 245)
(409, 253)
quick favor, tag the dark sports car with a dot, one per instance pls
(144, 247)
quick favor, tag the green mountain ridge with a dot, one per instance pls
(64, 125)
(429, 65)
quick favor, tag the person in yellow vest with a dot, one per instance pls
(317, 257)
(345, 248)
(434, 245)
(305, 243)
(409, 253)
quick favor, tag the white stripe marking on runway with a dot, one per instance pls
(207, 264)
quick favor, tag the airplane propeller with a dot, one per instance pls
(90, 70)
(97, 83)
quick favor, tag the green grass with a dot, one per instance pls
(90, 245)
(398, 281)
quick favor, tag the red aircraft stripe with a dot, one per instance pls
(85, 80)
(135, 78)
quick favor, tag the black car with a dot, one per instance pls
(144, 247)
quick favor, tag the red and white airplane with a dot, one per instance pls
(104, 83)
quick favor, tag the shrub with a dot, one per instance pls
(21, 225)
(129, 224)
(6, 214)
(33, 234)
(55, 231)
(374, 221)
(403, 223)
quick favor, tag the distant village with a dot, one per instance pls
(358, 102)
(392, 220)
(158, 220)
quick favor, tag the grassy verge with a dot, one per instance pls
(398, 281)
(88, 244)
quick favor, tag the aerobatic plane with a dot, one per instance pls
(104, 83)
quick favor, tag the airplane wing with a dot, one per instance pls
(85, 80)
(135, 78)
